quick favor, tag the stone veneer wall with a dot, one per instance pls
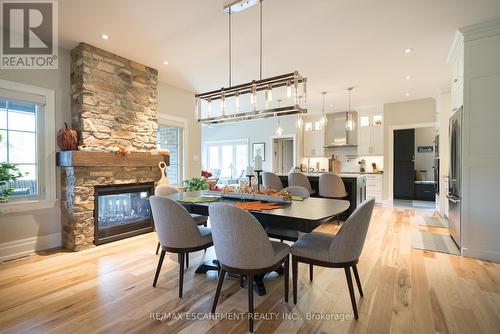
(114, 100)
(113, 103)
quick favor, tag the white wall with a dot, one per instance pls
(178, 103)
(425, 161)
(401, 114)
(23, 232)
(256, 131)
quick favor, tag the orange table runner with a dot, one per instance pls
(257, 206)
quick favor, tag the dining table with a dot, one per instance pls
(298, 215)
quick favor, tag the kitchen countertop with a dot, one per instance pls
(342, 174)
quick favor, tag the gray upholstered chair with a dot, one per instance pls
(331, 186)
(178, 233)
(271, 181)
(341, 250)
(167, 190)
(298, 191)
(242, 247)
(300, 179)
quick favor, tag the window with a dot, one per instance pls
(227, 159)
(19, 129)
(170, 137)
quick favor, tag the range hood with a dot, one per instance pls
(336, 133)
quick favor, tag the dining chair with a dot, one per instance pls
(298, 191)
(242, 247)
(271, 181)
(341, 250)
(167, 190)
(300, 179)
(332, 186)
(178, 233)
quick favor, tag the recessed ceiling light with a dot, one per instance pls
(165, 62)
(408, 50)
(407, 77)
(331, 105)
(407, 94)
(104, 36)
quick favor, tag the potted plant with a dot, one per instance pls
(8, 173)
(195, 184)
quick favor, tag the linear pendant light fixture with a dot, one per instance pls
(253, 100)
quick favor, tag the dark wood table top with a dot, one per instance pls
(310, 209)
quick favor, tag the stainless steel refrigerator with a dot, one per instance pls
(455, 184)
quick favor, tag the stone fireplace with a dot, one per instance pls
(113, 104)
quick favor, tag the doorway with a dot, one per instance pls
(283, 154)
(414, 164)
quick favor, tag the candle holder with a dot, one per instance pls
(258, 171)
(250, 181)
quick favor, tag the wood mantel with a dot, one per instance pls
(109, 159)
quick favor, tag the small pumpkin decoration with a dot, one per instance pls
(67, 139)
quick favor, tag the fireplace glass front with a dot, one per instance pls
(122, 211)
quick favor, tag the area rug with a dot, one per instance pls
(433, 242)
(432, 221)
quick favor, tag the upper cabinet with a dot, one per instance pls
(371, 132)
(314, 137)
(456, 61)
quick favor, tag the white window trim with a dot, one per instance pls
(49, 177)
(206, 144)
(181, 122)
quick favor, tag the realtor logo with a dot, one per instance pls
(29, 34)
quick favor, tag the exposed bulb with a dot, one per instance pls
(279, 131)
(349, 124)
(300, 122)
(269, 94)
(288, 91)
(324, 120)
(237, 103)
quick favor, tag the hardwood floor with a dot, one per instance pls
(109, 289)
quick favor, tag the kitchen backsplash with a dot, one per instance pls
(349, 160)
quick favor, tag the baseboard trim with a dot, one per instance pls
(19, 248)
(481, 254)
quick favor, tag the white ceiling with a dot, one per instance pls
(334, 43)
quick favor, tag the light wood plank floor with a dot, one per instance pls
(108, 289)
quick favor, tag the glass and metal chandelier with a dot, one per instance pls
(256, 99)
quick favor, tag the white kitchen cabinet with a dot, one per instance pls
(314, 137)
(374, 187)
(370, 134)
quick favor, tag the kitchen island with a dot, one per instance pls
(355, 185)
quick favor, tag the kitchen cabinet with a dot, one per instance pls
(374, 187)
(370, 134)
(314, 137)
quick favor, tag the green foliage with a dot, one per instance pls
(8, 173)
(195, 184)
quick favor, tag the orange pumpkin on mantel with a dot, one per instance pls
(67, 139)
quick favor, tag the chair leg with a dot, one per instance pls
(295, 265)
(311, 272)
(187, 260)
(250, 303)
(242, 283)
(351, 291)
(157, 248)
(286, 276)
(160, 262)
(358, 281)
(222, 274)
(181, 273)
